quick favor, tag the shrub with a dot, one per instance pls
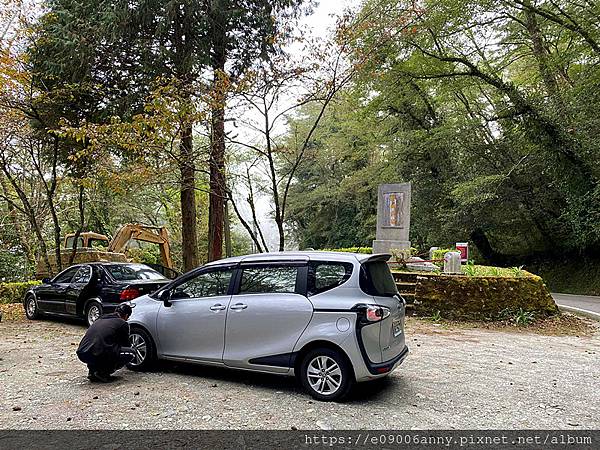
(474, 270)
(13, 266)
(146, 255)
(439, 254)
(15, 292)
(365, 250)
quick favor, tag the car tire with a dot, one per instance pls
(141, 342)
(32, 310)
(93, 311)
(326, 374)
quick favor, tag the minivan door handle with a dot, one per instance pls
(217, 307)
(238, 306)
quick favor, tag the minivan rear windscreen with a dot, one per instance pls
(376, 279)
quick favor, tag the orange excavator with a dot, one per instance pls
(98, 247)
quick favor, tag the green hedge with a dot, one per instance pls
(439, 254)
(482, 298)
(365, 250)
(15, 292)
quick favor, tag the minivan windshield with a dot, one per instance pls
(376, 279)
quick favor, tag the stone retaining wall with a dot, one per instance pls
(481, 298)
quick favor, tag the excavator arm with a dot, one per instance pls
(145, 233)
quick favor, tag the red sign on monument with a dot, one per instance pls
(463, 248)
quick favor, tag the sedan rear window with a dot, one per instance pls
(376, 279)
(131, 272)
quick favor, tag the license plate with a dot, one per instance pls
(397, 328)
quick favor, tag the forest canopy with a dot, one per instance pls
(118, 112)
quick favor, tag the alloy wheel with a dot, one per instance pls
(138, 344)
(324, 375)
(31, 307)
(93, 314)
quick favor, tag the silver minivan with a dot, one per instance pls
(329, 318)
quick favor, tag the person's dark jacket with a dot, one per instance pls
(103, 340)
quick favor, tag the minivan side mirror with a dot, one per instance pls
(165, 297)
(46, 280)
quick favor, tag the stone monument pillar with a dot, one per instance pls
(393, 218)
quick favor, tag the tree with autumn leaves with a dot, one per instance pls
(101, 63)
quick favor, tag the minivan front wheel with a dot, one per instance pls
(143, 348)
(326, 374)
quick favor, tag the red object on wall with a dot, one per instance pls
(463, 248)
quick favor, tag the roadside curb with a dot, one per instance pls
(580, 312)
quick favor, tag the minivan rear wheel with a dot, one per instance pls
(326, 374)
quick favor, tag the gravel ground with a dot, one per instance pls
(454, 378)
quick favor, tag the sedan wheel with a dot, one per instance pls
(94, 311)
(31, 309)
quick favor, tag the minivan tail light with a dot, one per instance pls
(129, 294)
(375, 313)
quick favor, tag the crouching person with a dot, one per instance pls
(105, 346)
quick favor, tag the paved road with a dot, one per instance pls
(582, 302)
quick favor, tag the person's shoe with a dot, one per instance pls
(92, 377)
(101, 377)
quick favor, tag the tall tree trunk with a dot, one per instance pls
(16, 223)
(216, 202)
(189, 237)
(81, 207)
(31, 216)
(540, 52)
(227, 231)
(216, 205)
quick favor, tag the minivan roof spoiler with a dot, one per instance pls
(376, 257)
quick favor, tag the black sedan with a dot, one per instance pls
(90, 290)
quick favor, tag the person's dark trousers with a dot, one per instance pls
(107, 367)
(125, 357)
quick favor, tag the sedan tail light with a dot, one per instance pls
(129, 294)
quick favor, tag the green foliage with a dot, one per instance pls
(572, 274)
(148, 254)
(365, 250)
(522, 317)
(498, 139)
(519, 317)
(13, 266)
(436, 316)
(474, 270)
(439, 255)
(15, 292)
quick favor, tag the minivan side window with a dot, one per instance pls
(376, 279)
(323, 276)
(207, 284)
(269, 280)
